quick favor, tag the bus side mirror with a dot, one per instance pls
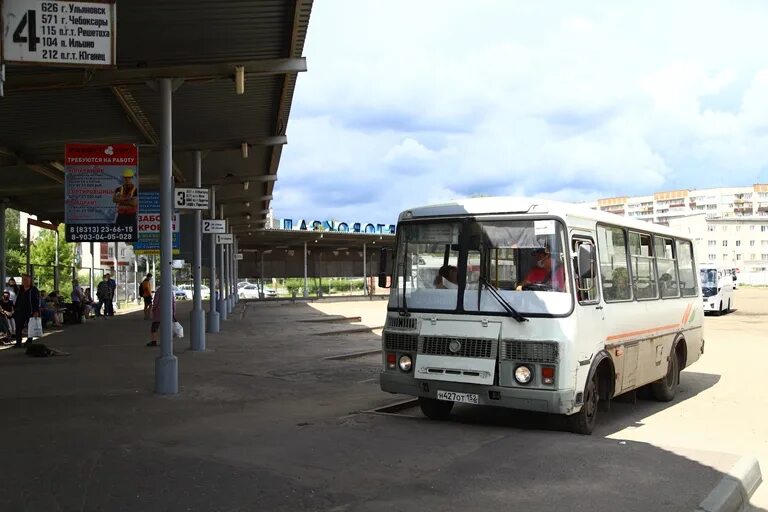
(383, 258)
(585, 261)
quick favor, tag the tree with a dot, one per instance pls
(43, 256)
(15, 251)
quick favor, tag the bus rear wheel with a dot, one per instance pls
(435, 409)
(664, 390)
(583, 422)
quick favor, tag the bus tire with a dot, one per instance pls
(435, 409)
(720, 310)
(729, 306)
(664, 390)
(583, 422)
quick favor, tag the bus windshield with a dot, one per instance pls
(708, 277)
(454, 266)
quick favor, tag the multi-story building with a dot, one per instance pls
(729, 225)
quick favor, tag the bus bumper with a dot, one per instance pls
(540, 400)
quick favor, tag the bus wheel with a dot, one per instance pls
(664, 390)
(729, 306)
(435, 409)
(583, 422)
(720, 311)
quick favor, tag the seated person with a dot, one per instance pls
(49, 308)
(7, 324)
(619, 289)
(543, 274)
(447, 277)
(88, 303)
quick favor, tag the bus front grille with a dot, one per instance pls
(401, 342)
(529, 351)
(466, 347)
(402, 323)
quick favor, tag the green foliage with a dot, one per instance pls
(43, 257)
(15, 255)
(334, 285)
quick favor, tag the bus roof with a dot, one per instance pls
(531, 206)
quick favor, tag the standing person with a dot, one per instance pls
(146, 294)
(156, 313)
(103, 293)
(6, 313)
(26, 306)
(109, 307)
(78, 298)
(12, 288)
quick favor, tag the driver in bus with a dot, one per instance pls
(542, 275)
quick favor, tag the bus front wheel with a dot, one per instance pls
(583, 422)
(435, 409)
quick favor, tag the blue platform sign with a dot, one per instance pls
(149, 226)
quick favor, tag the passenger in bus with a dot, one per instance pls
(545, 273)
(619, 289)
(447, 277)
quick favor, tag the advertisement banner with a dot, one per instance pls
(101, 192)
(148, 243)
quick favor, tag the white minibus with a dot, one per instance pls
(717, 286)
(536, 305)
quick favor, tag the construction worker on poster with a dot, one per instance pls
(127, 200)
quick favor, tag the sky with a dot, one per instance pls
(407, 103)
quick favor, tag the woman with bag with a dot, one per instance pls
(156, 316)
(27, 309)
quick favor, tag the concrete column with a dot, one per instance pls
(154, 273)
(213, 315)
(197, 317)
(234, 274)
(365, 273)
(136, 278)
(56, 261)
(232, 277)
(116, 303)
(306, 290)
(29, 245)
(93, 278)
(236, 266)
(166, 365)
(3, 235)
(223, 310)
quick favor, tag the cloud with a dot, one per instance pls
(499, 97)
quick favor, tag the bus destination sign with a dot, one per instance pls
(58, 33)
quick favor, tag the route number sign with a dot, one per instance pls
(58, 33)
(191, 199)
(214, 226)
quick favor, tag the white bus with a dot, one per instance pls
(537, 305)
(717, 286)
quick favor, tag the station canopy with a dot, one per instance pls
(197, 43)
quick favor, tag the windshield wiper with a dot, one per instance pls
(501, 300)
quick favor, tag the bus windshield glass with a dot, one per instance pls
(478, 265)
(708, 278)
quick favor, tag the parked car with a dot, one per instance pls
(251, 291)
(189, 291)
(179, 294)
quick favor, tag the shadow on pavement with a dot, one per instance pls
(263, 422)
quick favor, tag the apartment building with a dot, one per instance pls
(728, 225)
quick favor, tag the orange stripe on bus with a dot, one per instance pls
(687, 313)
(644, 331)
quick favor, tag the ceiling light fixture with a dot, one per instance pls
(239, 79)
(244, 149)
(246, 184)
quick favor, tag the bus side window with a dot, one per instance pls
(688, 283)
(612, 250)
(586, 289)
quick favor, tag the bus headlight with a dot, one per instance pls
(523, 374)
(405, 363)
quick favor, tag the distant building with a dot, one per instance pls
(729, 225)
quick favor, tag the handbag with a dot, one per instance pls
(35, 328)
(178, 330)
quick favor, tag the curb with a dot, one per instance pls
(734, 490)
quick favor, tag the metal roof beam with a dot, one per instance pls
(136, 76)
(46, 170)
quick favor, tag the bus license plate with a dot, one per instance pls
(462, 398)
